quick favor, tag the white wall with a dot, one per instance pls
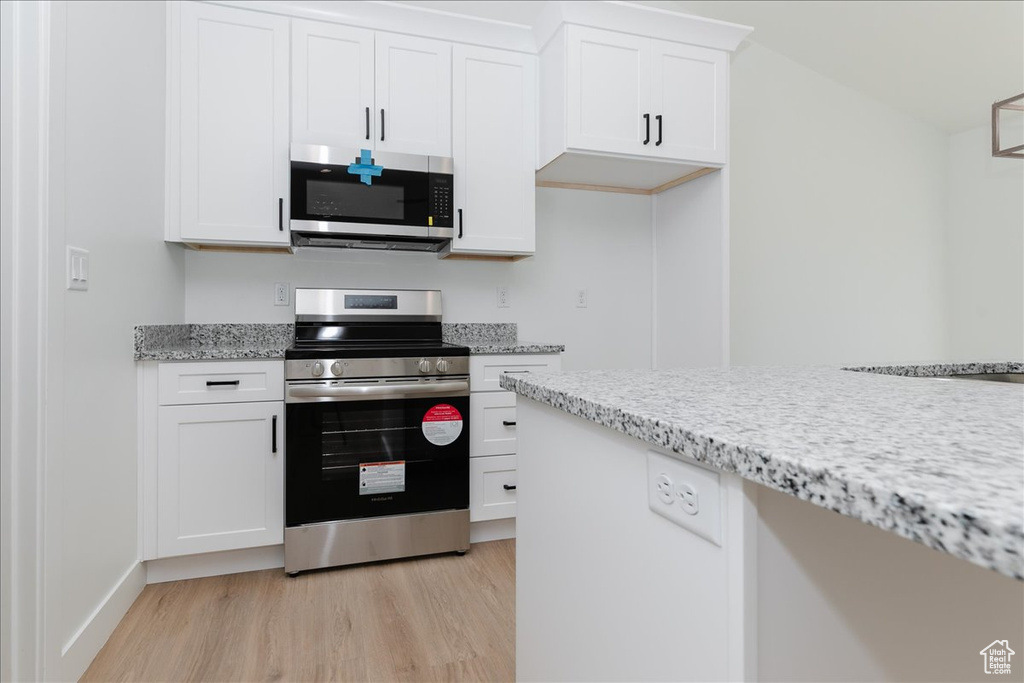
(985, 262)
(585, 240)
(691, 254)
(112, 206)
(838, 214)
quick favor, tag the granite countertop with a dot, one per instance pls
(938, 462)
(229, 341)
(236, 341)
(493, 338)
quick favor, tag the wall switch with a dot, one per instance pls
(77, 269)
(281, 293)
(581, 298)
(504, 301)
(685, 493)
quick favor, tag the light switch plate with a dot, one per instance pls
(77, 269)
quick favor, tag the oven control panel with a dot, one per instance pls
(375, 368)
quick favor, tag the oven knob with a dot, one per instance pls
(336, 368)
(318, 369)
(442, 365)
(424, 365)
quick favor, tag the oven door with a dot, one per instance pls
(357, 450)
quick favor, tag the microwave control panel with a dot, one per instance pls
(440, 200)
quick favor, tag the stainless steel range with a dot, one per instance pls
(377, 408)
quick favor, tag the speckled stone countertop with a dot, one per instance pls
(493, 338)
(938, 462)
(228, 341)
(233, 341)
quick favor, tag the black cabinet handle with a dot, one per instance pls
(367, 123)
(509, 487)
(647, 123)
(222, 383)
(517, 372)
(273, 435)
(509, 423)
(460, 224)
(382, 125)
(658, 117)
(280, 214)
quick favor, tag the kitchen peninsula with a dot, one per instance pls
(783, 589)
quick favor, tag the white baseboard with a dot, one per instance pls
(214, 564)
(492, 530)
(82, 648)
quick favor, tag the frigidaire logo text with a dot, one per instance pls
(379, 499)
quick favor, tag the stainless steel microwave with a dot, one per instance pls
(370, 200)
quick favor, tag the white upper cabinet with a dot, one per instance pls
(494, 119)
(234, 171)
(689, 94)
(332, 85)
(413, 94)
(608, 90)
(611, 103)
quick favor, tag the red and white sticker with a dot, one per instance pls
(442, 424)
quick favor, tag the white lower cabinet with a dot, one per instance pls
(492, 488)
(494, 443)
(494, 423)
(221, 477)
(212, 456)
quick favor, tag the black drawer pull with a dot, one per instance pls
(273, 435)
(509, 487)
(222, 383)
(509, 423)
(517, 372)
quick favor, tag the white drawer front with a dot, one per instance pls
(490, 414)
(484, 371)
(492, 482)
(221, 382)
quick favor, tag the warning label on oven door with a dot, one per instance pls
(442, 424)
(381, 477)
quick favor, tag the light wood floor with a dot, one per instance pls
(442, 618)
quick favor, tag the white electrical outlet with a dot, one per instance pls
(281, 293)
(581, 298)
(77, 269)
(504, 301)
(685, 493)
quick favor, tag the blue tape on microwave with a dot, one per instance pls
(365, 168)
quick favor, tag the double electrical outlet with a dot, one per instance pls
(685, 493)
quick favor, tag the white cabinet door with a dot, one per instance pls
(492, 487)
(690, 95)
(494, 150)
(332, 85)
(234, 126)
(221, 477)
(413, 88)
(493, 416)
(608, 91)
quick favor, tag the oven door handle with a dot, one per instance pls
(376, 392)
